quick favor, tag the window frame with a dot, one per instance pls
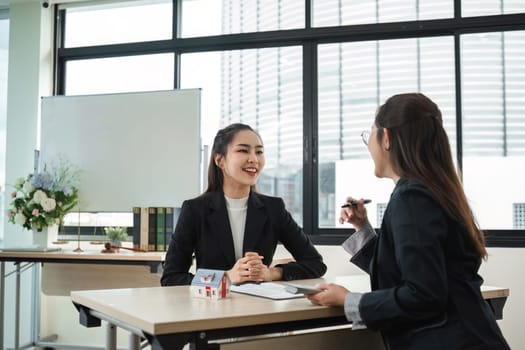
(309, 38)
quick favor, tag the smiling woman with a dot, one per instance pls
(234, 228)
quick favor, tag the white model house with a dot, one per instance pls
(210, 284)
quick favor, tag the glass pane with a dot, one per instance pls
(240, 16)
(493, 74)
(118, 23)
(354, 79)
(263, 88)
(4, 49)
(491, 7)
(120, 74)
(90, 225)
(327, 13)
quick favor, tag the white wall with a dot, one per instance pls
(503, 268)
(29, 77)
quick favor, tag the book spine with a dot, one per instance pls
(168, 226)
(152, 232)
(161, 235)
(144, 227)
(136, 227)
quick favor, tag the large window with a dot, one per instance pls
(354, 78)
(262, 88)
(337, 12)
(119, 74)
(117, 23)
(491, 7)
(239, 16)
(493, 67)
(310, 80)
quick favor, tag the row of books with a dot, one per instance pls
(153, 227)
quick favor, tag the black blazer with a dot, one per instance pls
(204, 229)
(424, 278)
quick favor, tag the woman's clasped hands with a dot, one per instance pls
(249, 268)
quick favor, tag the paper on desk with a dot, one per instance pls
(269, 290)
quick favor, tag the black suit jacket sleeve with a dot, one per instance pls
(179, 256)
(308, 262)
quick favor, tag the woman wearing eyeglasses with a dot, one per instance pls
(424, 262)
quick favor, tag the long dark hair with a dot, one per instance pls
(220, 147)
(420, 151)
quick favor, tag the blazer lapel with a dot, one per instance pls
(255, 219)
(219, 227)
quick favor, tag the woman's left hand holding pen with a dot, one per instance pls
(354, 214)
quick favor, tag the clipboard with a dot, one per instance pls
(269, 290)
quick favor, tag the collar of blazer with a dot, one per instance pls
(220, 229)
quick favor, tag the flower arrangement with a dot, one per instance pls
(43, 199)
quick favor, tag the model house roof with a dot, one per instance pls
(208, 277)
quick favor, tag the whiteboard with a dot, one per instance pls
(133, 149)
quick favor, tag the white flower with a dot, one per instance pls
(20, 218)
(45, 197)
(48, 204)
(19, 182)
(39, 196)
(28, 187)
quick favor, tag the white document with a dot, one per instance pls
(269, 290)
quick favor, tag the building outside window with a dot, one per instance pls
(519, 215)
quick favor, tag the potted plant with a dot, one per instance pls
(116, 235)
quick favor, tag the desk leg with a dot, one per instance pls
(17, 307)
(111, 337)
(497, 305)
(2, 296)
(134, 342)
(35, 305)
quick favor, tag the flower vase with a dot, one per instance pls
(46, 237)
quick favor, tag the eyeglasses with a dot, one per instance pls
(365, 135)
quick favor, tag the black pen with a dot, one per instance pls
(354, 203)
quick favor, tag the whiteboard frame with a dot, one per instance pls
(133, 149)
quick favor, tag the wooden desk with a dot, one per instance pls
(166, 316)
(24, 260)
